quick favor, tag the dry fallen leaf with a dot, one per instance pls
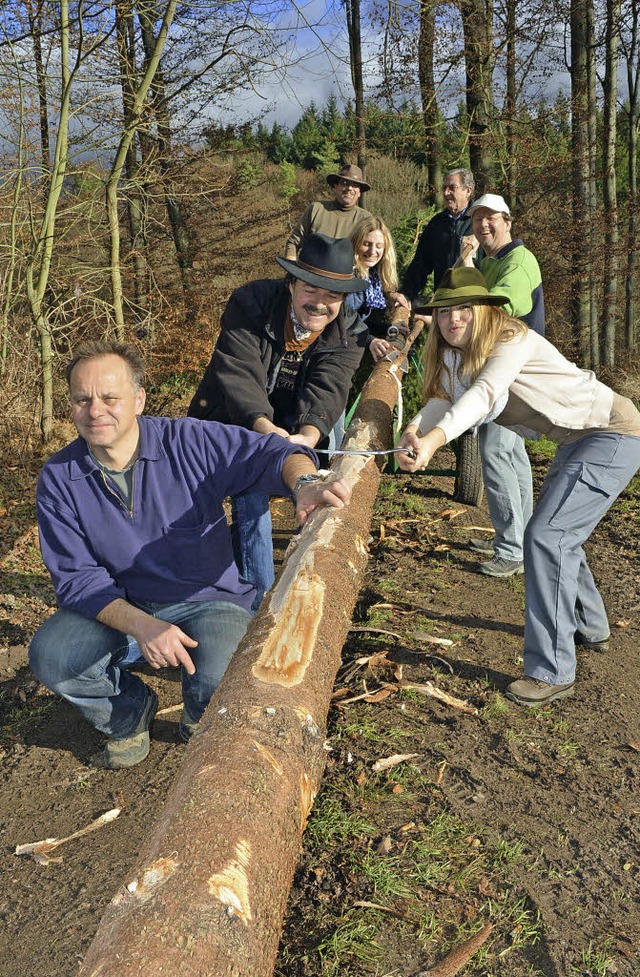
(449, 514)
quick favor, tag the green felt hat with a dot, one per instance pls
(461, 285)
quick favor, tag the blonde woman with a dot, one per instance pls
(481, 365)
(375, 258)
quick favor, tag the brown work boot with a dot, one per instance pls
(582, 642)
(132, 749)
(534, 692)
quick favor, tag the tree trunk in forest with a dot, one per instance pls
(632, 60)
(175, 214)
(610, 197)
(117, 167)
(580, 178)
(594, 215)
(426, 45)
(35, 27)
(477, 22)
(135, 207)
(355, 56)
(510, 107)
(210, 889)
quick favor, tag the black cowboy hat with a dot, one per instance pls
(351, 173)
(326, 262)
(461, 285)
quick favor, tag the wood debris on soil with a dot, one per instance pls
(39, 850)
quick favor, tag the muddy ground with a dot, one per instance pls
(556, 788)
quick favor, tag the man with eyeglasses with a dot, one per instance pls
(335, 218)
(440, 242)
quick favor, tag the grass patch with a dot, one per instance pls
(331, 824)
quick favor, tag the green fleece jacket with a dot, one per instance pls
(514, 270)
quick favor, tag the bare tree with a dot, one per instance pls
(352, 8)
(428, 95)
(610, 194)
(630, 47)
(581, 171)
(477, 24)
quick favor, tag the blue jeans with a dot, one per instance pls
(81, 659)
(506, 472)
(583, 482)
(252, 540)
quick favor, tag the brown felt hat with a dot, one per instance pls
(351, 173)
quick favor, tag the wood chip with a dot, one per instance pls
(430, 689)
(386, 763)
(431, 638)
(39, 850)
(384, 909)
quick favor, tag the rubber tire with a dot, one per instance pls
(468, 487)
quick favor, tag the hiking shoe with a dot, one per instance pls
(534, 692)
(499, 567)
(482, 545)
(132, 749)
(187, 726)
(582, 642)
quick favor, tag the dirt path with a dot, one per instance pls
(555, 791)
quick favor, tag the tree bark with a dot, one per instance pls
(632, 60)
(610, 195)
(580, 179)
(510, 106)
(426, 46)
(175, 213)
(35, 27)
(209, 893)
(477, 22)
(594, 215)
(355, 56)
(135, 205)
(117, 167)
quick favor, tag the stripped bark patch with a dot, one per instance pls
(307, 797)
(143, 888)
(288, 650)
(231, 886)
(269, 757)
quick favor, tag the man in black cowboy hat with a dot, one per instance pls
(283, 364)
(335, 218)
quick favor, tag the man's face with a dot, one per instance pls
(456, 196)
(104, 405)
(314, 308)
(492, 230)
(345, 193)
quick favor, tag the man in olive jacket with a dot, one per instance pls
(283, 364)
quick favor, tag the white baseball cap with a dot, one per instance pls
(493, 202)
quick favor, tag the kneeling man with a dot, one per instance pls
(133, 532)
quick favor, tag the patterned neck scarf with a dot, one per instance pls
(299, 331)
(374, 296)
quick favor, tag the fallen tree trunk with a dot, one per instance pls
(210, 889)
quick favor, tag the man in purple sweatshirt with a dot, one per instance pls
(133, 532)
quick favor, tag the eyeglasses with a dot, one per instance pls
(346, 183)
(452, 186)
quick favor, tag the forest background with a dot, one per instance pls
(131, 207)
(115, 157)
